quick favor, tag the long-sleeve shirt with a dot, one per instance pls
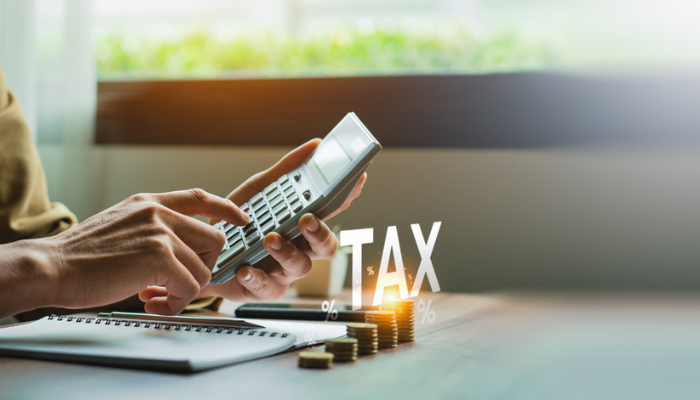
(25, 209)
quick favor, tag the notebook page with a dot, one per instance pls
(134, 346)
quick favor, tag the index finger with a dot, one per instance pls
(198, 202)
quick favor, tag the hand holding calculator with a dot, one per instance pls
(320, 186)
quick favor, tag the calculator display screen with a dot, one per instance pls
(330, 159)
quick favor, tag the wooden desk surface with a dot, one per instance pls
(519, 346)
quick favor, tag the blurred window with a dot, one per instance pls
(166, 39)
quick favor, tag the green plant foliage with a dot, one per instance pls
(201, 53)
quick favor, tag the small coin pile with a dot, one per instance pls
(366, 335)
(343, 349)
(405, 319)
(313, 359)
(387, 332)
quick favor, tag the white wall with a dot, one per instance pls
(510, 218)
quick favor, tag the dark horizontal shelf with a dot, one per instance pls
(515, 110)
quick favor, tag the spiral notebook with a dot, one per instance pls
(138, 344)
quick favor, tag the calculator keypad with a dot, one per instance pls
(267, 210)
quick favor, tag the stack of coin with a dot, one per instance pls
(366, 335)
(343, 349)
(314, 359)
(387, 333)
(405, 321)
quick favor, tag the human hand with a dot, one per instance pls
(288, 261)
(147, 239)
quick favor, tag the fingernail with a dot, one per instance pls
(313, 224)
(276, 243)
(246, 276)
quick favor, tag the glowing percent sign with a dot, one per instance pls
(309, 339)
(330, 310)
(426, 311)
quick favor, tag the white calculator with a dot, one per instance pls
(319, 186)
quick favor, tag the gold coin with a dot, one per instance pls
(341, 341)
(309, 359)
(360, 326)
(348, 359)
(315, 355)
(345, 349)
(361, 334)
(379, 313)
(337, 351)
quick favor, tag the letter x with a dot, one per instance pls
(426, 251)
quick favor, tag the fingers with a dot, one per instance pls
(320, 241)
(182, 276)
(205, 240)
(270, 281)
(286, 164)
(292, 263)
(198, 202)
(151, 292)
(182, 285)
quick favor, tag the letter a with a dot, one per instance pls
(385, 279)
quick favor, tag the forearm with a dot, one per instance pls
(27, 280)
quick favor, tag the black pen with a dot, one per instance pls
(209, 321)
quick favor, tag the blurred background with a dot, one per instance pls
(557, 142)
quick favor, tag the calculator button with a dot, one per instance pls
(230, 253)
(231, 233)
(273, 199)
(307, 194)
(261, 212)
(234, 240)
(270, 188)
(296, 206)
(289, 191)
(283, 216)
(263, 220)
(259, 206)
(229, 227)
(286, 185)
(297, 176)
(284, 179)
(276, 202)
(279, 208)
(293, 197)
(267, 228)
(248, 229)
(256, 199)
(253, 238)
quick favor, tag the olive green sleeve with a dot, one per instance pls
(25, 210)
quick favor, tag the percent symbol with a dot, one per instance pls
(426, 311)
(330, 310)
(309, 339)
(370, 270)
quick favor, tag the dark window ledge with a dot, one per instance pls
(516, 110)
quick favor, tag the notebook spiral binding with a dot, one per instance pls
(166, 326)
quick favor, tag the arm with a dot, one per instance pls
(148, 239)
(25, 277)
